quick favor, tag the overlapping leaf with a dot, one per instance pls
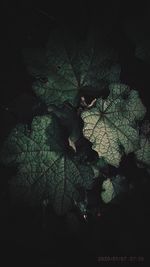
(44, 170)
(68, 65)
(110, 126)
(70, 120)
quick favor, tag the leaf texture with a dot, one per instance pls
(44, 171)
(67, 65)
(111, 125)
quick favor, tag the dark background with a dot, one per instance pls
(122, 229)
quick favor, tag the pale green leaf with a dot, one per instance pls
(112, 188)
(111, 125)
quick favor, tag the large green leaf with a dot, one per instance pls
(45, 171)
(68, 65)
(111, 125)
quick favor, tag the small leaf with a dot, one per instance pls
(112, 188)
